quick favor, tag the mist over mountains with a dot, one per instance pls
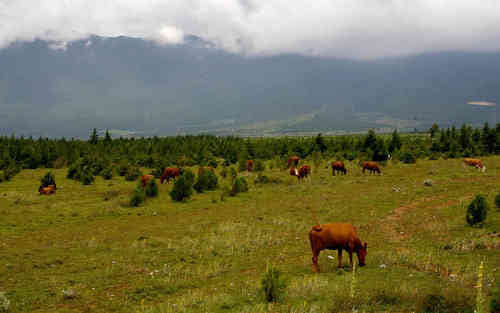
(135, 85)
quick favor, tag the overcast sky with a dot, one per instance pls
(339, 28)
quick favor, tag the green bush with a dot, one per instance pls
(477, 211)
(107, 173)
(133, 173)
(2, 177)
(495, 299)
(48, 180)
(87, 178)
(183, 187)
(138, 197)
(206, 181)
(408, 157)
(240, 185)
(152, 189)
(259, 166)
(434, 303)
(272, 285)
(497, 201)
(10, 172)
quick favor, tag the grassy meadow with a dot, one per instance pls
(85, 249)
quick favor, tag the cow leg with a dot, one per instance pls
(351, 249)
(340, 257)
(315, 265)
(333, 172)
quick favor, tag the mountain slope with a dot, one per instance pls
(133, 84)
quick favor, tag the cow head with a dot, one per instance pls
(362, 255)
(483, 168)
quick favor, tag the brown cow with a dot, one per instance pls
(145, 179)
(302, 172)
(336, 236)
(204, 168)
(371, 166)
(49, 190)
(170, 172)
(294, 160)
(475, 163)
(338, 166)
(249, 165)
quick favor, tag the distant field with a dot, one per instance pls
(85, 250)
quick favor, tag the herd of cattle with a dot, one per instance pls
(333, 236)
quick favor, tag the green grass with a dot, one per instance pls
(208, 255)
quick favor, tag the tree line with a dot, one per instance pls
(158, 152)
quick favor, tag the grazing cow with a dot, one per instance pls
(336, 236)
(338, 166)
(170, 172)
(475, 163)
(302, 172)
(205, 168)
(371, 166)
(293, 160)
(49, 190)
(145, 179)
(249, 165)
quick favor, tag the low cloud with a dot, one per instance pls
(338, 28)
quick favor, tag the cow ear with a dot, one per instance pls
(365, 245)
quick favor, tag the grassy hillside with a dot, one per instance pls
(85, 250)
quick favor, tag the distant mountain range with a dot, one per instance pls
(135, 86)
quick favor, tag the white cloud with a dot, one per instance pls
(169, 35)
(342, 28)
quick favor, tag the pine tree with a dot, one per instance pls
(395, 143)
(107, 138)
(433, 130)
(94, 138)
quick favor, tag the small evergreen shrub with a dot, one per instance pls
(138, 197)
(259, 166)
(133, 173)
(107, 173)
(240, 185)
(206, 181)
(272, 285)
(495, 299)
(10, 172)
(152, 189)
(48, 180)
(477, 211)
(434, 303)
(73, 171)
(408, 157)
(87, 178)
(497, 201)
(183, 187)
